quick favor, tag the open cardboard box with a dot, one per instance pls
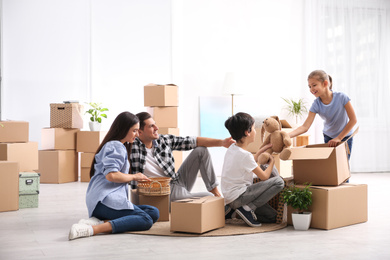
(335, 207)
(320, 164)
(197, 215)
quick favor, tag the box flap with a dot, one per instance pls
(307, 153)
(285, 124)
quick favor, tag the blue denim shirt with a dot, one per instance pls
(111, 158)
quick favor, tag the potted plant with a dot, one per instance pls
(295, 108)
(299, 199)
(96, 112)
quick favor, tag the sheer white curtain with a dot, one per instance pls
(350, 40)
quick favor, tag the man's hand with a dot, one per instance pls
(227, 142)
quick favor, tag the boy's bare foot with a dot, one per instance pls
(216, 193)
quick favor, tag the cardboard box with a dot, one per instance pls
(320, 164)
(9, 186)
(89, 141)
(58, 166)
(26, 154)
(160, 95)
(28, 189)
(338, 206)
(160, 202)
(168, 131)
(178, 156)
(85, 174)
(86, 160)
(164, 116)
(66, 115)
(59, 138)
(14, 132)
(197, 215)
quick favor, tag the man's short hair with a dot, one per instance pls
(142, 116)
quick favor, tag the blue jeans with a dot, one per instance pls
(349, 142)
(139, 219)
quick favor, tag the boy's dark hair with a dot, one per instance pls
(142, 116)
(238, 124)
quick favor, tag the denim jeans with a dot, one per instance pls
(349, 142)
(139, 219)
(198, 160)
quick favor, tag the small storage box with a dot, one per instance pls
(28, 189)
(66, 115)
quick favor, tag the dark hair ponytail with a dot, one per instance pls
(118, 130)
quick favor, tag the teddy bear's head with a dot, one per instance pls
(272, 124)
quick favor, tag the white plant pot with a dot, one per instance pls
(301, 221)
(94, 126)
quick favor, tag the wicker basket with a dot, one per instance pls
(156, 187)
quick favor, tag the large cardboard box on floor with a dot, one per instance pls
(26, 154)
(58, 166)
(164, 116)
(160, 202)
(86, 160)
(160, 95)
(9, 186)
(68, 115)
(14, 132)
(337, 206)
(59, 138)
(89, 141)
(197, 215)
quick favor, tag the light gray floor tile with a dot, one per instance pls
(42, 233)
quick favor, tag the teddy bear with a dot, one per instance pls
(280, 140)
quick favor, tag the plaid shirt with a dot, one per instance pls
(162, 153)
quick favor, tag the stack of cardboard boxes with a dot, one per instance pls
(58, 159)
(162, 103)
(18, 156)
(335, 203)
(87, 144)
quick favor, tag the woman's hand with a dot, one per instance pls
(334, 142)
(140, 177)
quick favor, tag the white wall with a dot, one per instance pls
(102, 51)
(107, 50)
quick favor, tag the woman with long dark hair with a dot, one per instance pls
(109, 208)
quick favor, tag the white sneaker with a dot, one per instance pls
(91, 221)
(79, 230)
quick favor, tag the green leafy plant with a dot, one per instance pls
(295, 108)
(96, 112)
(298, 198)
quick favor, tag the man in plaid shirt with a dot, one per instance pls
(151, 154)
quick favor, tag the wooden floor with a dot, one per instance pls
(42, 233)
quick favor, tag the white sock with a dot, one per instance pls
(246, 207)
